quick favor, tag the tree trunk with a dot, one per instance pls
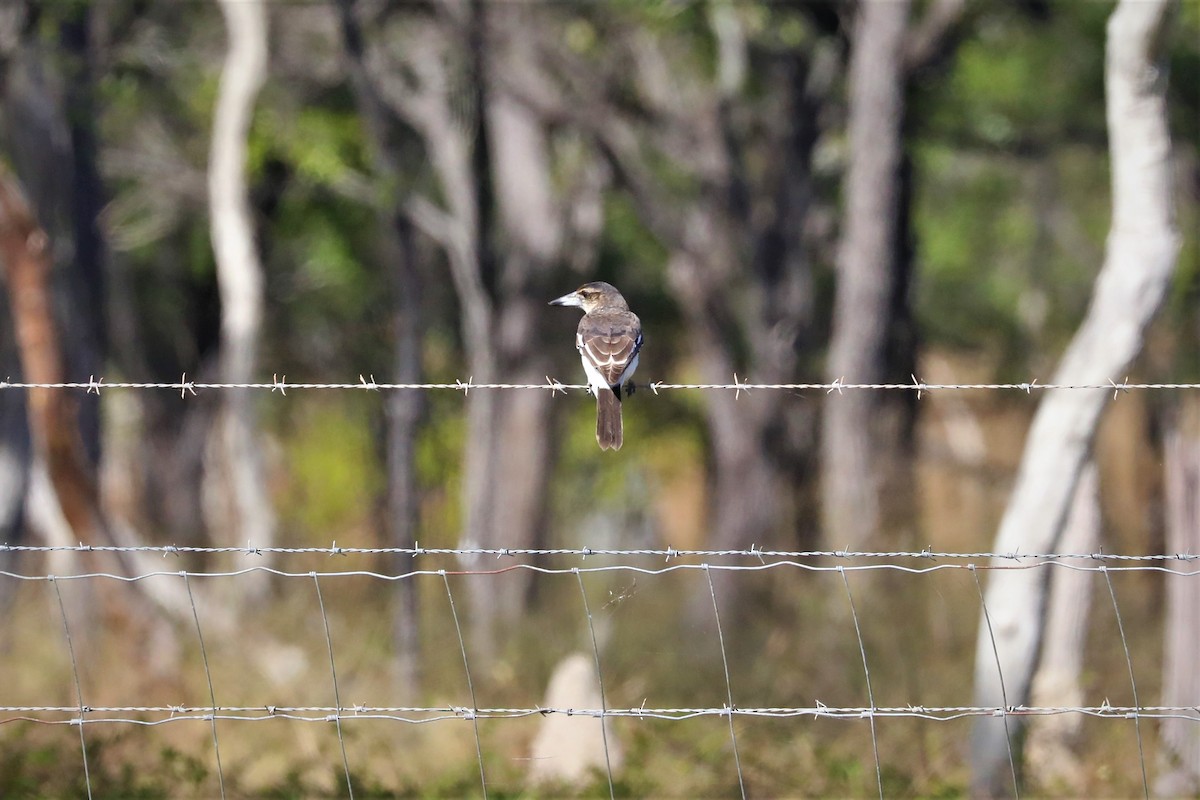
(245, 509)
(529, 222)
(403, 410)
(1179, 759)
(1051, 746)
(1140, 259)
(85, 328)
(15, 463)
(861, 429)
(403, 413)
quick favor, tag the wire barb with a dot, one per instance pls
(739, 387)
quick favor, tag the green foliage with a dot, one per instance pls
(1011, 208)
(32, 767)
(324, 144)
(988, 96)
(333, 469)
(439, 467)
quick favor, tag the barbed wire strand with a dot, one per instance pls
(321, 714)
(62, 609)
(737, 759)
(279, 384)
(462, 646)
(987, 618)
(212, 695)
(587, 612)
(862, 650)
(668, 553)
(337, 697)
(1137, 725)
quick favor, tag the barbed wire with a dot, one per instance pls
(426, 714)
(280, 384)
(667, 554)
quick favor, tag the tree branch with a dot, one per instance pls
(934, 36)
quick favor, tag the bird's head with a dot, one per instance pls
(592, 296)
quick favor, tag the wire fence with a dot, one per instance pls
(339, 715)
(581, 562)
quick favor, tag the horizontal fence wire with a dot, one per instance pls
(666, 554)
(608, 568)
(279, 384)
(418, 715)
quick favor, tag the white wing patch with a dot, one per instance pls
(597, 363)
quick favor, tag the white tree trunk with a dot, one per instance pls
(242, 494)
(1140, 258)
(1179, 761)
(1050, 748)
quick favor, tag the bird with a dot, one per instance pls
(609, 340)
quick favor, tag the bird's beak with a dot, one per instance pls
(571, 299)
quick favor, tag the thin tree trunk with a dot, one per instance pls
(1052, 740)
(403, 413)
(242, 483)
(529, 219)
(858, 426)
(1142, 247)
(15, 463)
(86, 327)
(1179, 758)
(403, 410)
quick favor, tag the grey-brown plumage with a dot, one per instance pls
(609, 339)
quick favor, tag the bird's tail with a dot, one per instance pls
(608, 420)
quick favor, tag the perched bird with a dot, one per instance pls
(609, 339)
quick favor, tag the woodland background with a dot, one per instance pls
(788, 192)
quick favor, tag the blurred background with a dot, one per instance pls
(329, 189)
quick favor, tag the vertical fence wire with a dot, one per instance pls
(62, 608)
(212, 695)
(462, 646)
(862, 650)
(337, 699)
(600, 679)
(1137, 724)
(987, 618)
(737, 759)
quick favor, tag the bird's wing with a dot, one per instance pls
(610, 341)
